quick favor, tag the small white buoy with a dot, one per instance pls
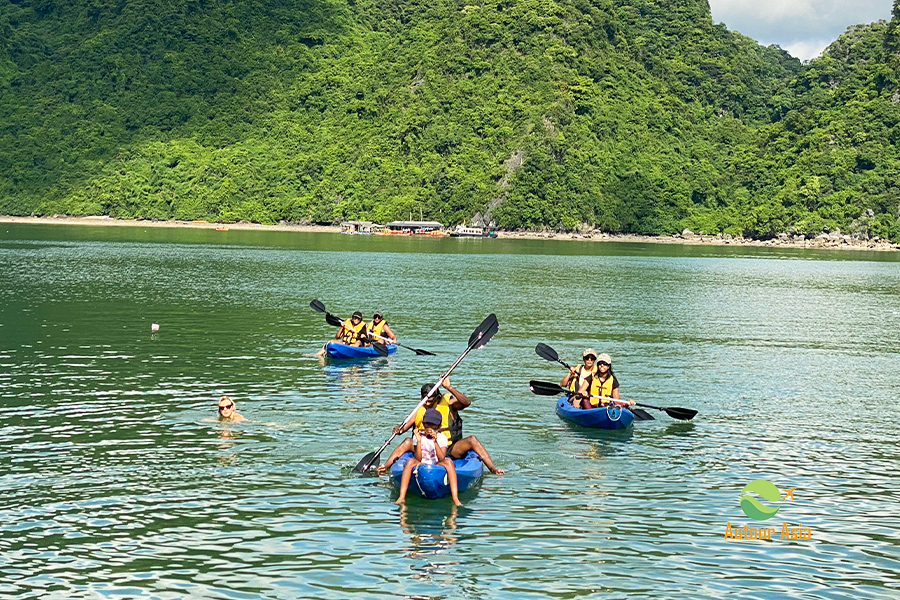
(154, 327)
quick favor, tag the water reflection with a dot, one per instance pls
(227, 437)
(432, 530)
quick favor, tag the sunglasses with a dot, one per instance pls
(603, 363)
(225, 407)
(589, 357)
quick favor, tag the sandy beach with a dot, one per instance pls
(834, 241)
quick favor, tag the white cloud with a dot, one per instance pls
(807, 50)
(802, 27)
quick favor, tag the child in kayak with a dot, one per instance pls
(429, 448)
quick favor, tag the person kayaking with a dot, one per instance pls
(448, 405)
(578, 375)
(379, 331)
(351, 333)
(227, 411)
(602, 386)
(429, 448)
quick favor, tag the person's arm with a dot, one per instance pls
(417, 445)
(459, 400)
(386, 330)
(567, 379)
(439, 450)
(337, 335)
(397, 430)
(583, 388)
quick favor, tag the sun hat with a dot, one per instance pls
(431, 417)
(604, 358)
(588, 351)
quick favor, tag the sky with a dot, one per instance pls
(802, 27)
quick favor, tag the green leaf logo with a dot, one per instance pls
(755, 509)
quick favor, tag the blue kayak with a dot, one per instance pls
(430, 481)
(604, 417)
(338, 350)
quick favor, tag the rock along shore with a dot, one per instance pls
(825, 241)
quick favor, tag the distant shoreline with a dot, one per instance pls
(834, 243)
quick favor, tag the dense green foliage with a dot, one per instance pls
(640, 116)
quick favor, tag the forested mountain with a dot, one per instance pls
(632, 116)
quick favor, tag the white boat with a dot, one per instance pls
(463, 231)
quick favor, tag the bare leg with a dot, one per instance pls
(404, 446)
(404, 479)
(451, 479)
(459, 449)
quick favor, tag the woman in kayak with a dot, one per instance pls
(601, 387)
(429, 448)
(578, 375)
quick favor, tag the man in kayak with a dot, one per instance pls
(351, 333)
(429, 448)
(448, 405)
(379, 331)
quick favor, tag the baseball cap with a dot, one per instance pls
(604, 358)
(378, 314)
(356, 314)
(431, 417)
(588, 351)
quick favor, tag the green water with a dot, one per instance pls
(116, 480)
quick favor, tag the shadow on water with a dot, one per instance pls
(679, 428)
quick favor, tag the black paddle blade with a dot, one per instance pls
(317, 306)
(640, 414)
(369, 462)
(421, 352)
(546, 388)
(332, 320)
(682, 414)
(380, 348)
(484, 332)
(546, 352)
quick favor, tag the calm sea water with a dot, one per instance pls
(116, 480)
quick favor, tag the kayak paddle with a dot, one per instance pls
(546, 388)
(338, 322)
(481, 336)
(548, 353)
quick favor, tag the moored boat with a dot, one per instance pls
(430, 481)
(338, 350)
(478, 232)
(603, 417)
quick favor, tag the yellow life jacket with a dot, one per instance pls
(376, 329)
(350, 332)
(602, 389)
(581, 374)
(443, 407)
